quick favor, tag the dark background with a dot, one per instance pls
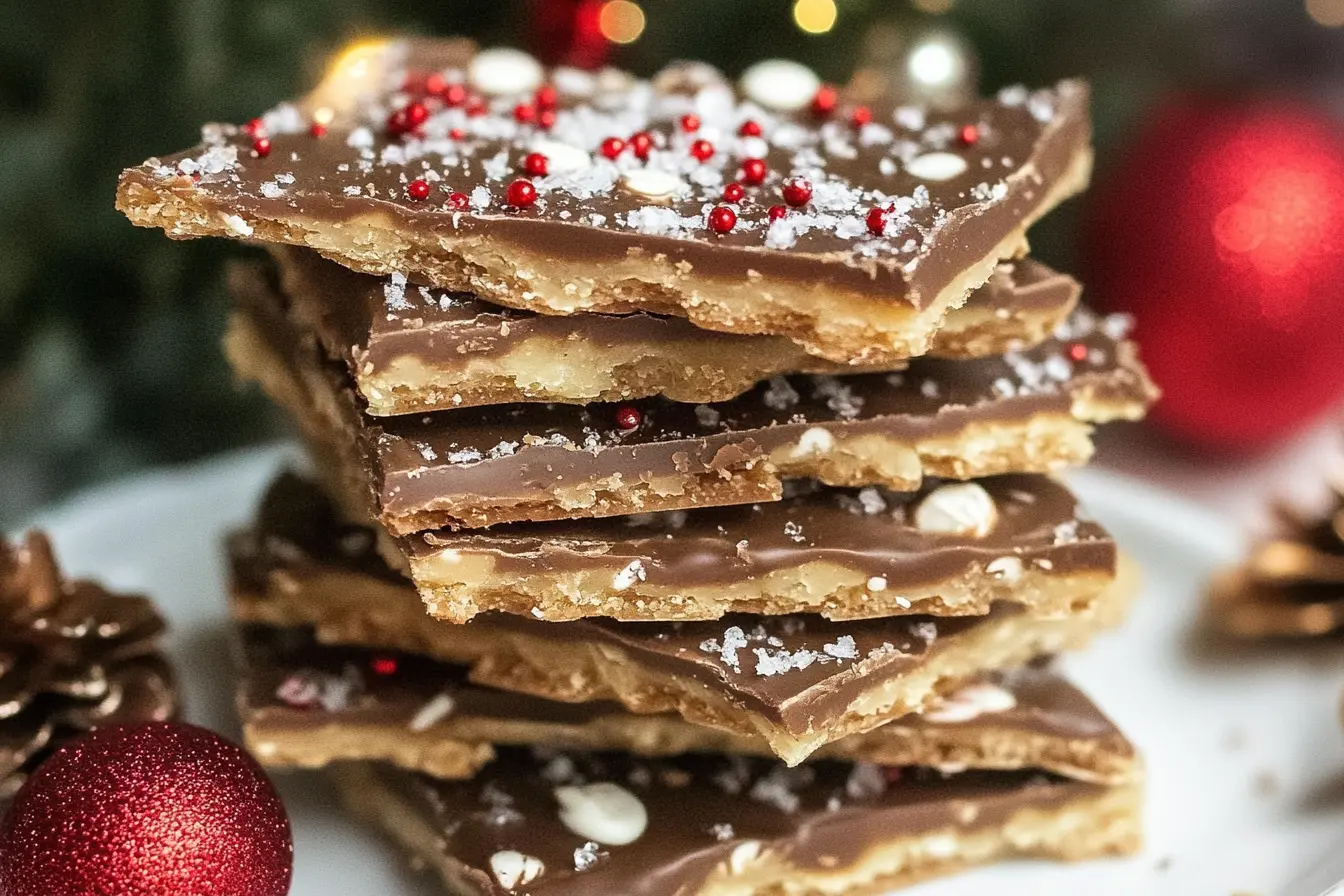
(108, 333)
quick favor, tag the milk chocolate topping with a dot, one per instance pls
(699, 810)
(953, 193)
(72, 657)
(795, 670)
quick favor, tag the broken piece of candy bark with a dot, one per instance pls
(946, 550)
(1032, 410)
(564, 191)
(551, 823)
(798, 682)
(72, 657)
(309, 705)
(1291, 585)
(410, 349)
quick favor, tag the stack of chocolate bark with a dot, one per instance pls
(711, 424)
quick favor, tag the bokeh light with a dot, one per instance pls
(936, 61)
(1327, 12)
(621, 21)
(933, 7)
(815, 16)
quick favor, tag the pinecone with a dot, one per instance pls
(72, 657)
(1292, 585)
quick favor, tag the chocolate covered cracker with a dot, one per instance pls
(307, 704)
(411, 349)
(563, 191)
(549, 823)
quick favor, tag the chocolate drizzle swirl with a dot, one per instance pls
(72, 657)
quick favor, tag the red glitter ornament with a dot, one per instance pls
(628, 418)
(418, 189)
(521, 193)
(524, 113)
(458, 200)
(384, 665)
(970, 135)
(722, 219)
(536, 164)
(797, 192)
(877, 221)
(777, 211)
(161, 809)
(824, 103)
(749, 129)
(753, 171)
(547, 97)
(640, 144)
(261, 147)
(1221, 228)
(702, 150)
(613, 147)
(861, 116)
(690, 123)
(317, 129)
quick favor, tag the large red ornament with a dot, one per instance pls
(1222, 230)
(162, 809)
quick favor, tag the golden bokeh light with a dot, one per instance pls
(933, 7)
(815, 16)
(621, 21)
(1329, 13)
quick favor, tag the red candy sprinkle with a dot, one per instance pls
(252, 127)
(524, 113)
(476, 107)
(892, 773)
(690, 123)
(640, 144)
(970, 135)
(722, 219)
(613, 147)
(1078, 351)
(777, 211)
(753, 171)
(536, 164)
(458, 200)
(455, 94)
(797, 192)
(317, 129)
(749, 129)
(546, 119)
(261, 147)
(628, 418)
(823, 104)
(861, 116)
(436, 84)
(521, 193)
(877, 220)
(384, 665)
(547, 97)
(457, 133)
(733, 192)
(418, 189)
(416, 114)
(702, 150)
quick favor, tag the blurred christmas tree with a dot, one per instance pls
(108, 335)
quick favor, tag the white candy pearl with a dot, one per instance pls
(961, 509)
(936, 166)
(504, 71)
(603, 812)
(652, 183)
(780, 84)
